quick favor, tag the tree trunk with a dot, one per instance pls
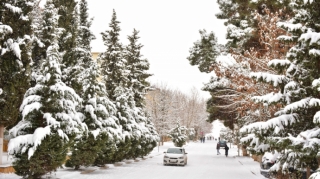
(1, 142)
(162, 140)
(308, 172)
(244, 150)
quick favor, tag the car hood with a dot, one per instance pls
(173, 155)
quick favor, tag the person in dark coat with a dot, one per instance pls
(226, 150)
(218, 148)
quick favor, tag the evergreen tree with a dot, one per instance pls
(221, 105)
(68, 21)
(178, 135)
(85, 34)
(138, 68)
(242, 26)
(38, 48)
(150, 138)
(49, 120)
(115, 77)
(294, 129)
(112, 61)
(15, 59)
(204, 52)
(99, 113)
(45, 34)
(69, 43)
(97, 145)
(126, 114)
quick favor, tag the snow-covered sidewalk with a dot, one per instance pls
(202, 163)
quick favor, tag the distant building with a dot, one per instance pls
(95, 55)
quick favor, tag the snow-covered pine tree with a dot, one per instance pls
(221, 105)
(149, 136)
(131, 132)
(45, 19)
(178, 135)
(294, 131)
(138, 68)
(258, 59)
(115, 76)
(69, 44)
(138, 74)
(15, 59)
(252, 54)
(67, 20)
(112, 61)
(97, 145)
(38, 49)
(49, 121)
(204, 52)
(241, 25)
(85, 34)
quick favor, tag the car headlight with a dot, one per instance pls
(180, 157)
(165, 157)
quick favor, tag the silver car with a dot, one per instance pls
(175, 156)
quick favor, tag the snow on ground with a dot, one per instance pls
(216, 128)
(203, 162)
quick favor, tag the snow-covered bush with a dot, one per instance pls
(227, 134)
(191, 133)
(178, 135)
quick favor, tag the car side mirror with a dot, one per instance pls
(185, 153)
(164, 152)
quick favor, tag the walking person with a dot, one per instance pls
(218, 148)
(226, 150)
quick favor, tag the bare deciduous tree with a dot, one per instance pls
(167, 107)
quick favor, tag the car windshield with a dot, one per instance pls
(175, 150)
(266, 165)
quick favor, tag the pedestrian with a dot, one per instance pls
(204, 139)
(201, 139)
(218, 148)
(226, 149)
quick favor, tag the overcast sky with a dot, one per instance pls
(168, 29)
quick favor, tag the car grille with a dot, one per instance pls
(174, 158)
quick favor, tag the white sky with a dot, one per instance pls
(168, 28)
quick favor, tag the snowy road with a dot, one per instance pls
(203, 163)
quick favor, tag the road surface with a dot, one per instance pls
(203, 163)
